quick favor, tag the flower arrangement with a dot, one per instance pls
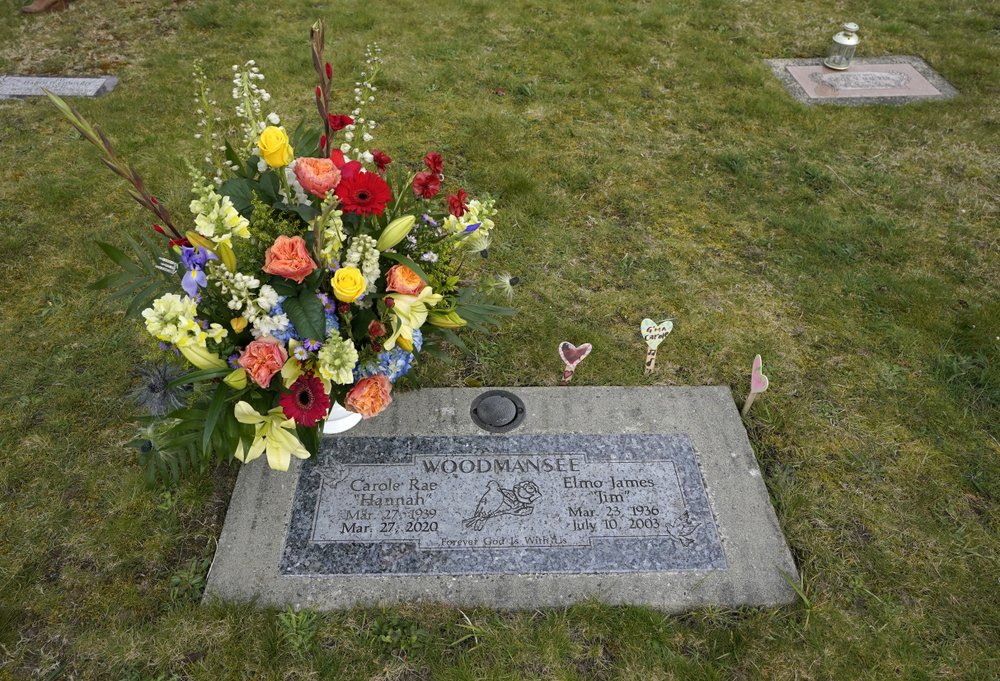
(315, 271)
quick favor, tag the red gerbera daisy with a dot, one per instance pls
(306, 402)
(382, 160)
(364, 194)
(426, 185)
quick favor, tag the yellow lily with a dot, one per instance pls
(275, 436)
(237, 379)
(410, 312)
(201, 357)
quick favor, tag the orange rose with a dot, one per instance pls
(288, 257)
(317, 175)
(263, 358)
(402, 279)
(369, 396)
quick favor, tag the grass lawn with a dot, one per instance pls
(646, 163)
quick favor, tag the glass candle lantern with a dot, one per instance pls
(843, 47)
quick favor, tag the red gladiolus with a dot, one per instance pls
(382, 160)
(434, 163)
(339, 121)
(364, 194)
(322, 142)
(348, 169)
(158, 229)
(457, 203)
(426, 185)
(329, 70)
(319, 92)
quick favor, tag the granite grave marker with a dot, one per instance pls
(15, 87)
(629, 495)
(876, 80)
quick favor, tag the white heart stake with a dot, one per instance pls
(654, 333)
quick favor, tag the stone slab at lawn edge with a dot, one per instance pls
(15, 87)
(646, 496)
(873, 80)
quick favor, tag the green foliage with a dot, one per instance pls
(188, 583)
(139, 281)
(854, 248)
(305, 311)
(298, 631)
(396, 635)
(266, 225)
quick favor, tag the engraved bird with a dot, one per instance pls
(489, 504)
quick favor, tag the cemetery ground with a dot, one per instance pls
(647, 163)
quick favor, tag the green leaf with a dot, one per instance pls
(268, 185)
(233, 158)
(118, 257)
(306, 313)
(305, 140)
(306, 212)
(409, 263)
(114, 280)
(240, 192)
(142, 299)
(283, 286)
(212, 415)
(194, 377)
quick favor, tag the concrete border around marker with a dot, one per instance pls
(947, 90)
(246, 565)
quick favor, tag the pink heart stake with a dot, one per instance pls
(758, 383)
(572, 356)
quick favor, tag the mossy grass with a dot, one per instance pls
(646, 163)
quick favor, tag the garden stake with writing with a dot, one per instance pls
(758, 383)
(654, 333)
(572, 356)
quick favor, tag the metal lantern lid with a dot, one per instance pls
(847, 36)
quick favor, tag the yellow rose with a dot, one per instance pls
(348, 284)
(274, 147)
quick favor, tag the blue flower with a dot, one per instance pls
(194, 261)
(393, 364)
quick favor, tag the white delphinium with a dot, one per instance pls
(269, 326)
(267, 298)
(363, 254)
(250, 99)
(299, 194)
(359, 133)
(215, 150)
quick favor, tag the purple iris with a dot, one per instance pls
(429, 220)
(194, 261)
(472, 228)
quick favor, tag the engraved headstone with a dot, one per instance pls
(12, 87)
(629, 495)
(882, 80)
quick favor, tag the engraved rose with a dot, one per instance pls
(527, 492)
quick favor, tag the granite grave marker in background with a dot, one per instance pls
(628, 495)
(15, 87)
(876, 80)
